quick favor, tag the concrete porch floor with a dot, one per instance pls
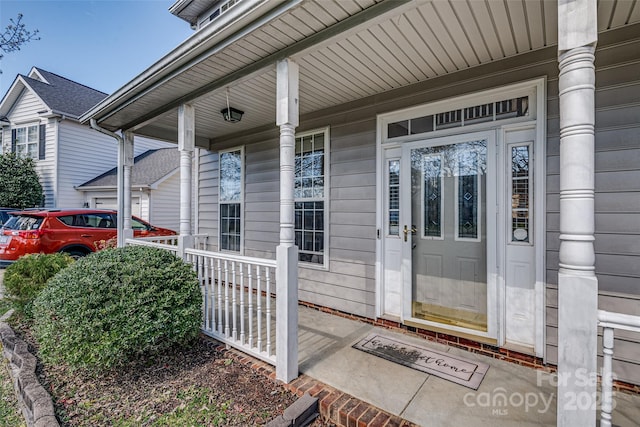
(509, 395)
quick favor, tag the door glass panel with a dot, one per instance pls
(468, 196)
(449, 251)
(393, 208)
(432, 193)
(520, 203)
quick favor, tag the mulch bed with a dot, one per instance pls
(145, 392)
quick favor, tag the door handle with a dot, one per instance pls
(406, 231)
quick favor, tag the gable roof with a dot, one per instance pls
(59, 94)
(149, 169)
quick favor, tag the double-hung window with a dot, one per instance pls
(310, 192)
(230, 199)
(26, 141)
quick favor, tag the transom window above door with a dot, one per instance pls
(489, 112)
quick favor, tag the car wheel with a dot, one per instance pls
(75, 253)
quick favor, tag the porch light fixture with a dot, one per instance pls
(230, 114)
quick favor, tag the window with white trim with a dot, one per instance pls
(310, 193)
(230, 199)
(26, 141)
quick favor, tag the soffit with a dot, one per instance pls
(413, 42)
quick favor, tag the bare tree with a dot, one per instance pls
(15, 35)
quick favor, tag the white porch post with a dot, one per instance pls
(125, 163)
(186, 145)
(287, 251)
(577, 283)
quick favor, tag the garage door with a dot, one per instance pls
(112, 203)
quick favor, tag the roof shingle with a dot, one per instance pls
(63, 95)
(149, 168)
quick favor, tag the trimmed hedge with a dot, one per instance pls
(25, 278)
(116, 306)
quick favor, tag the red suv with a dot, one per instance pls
(74, 231)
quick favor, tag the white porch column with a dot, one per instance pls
(577, 283)
(186, 145)
(125, 163)
(287, 251)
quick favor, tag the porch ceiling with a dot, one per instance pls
(347, 50)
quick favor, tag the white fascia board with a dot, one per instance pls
(201, 42)
(12, 95)
(34, 72)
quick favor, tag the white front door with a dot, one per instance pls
(448, 232)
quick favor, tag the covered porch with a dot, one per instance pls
(309, 64)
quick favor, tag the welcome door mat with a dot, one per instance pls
(453, 368)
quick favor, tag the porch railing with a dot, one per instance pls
(238, 300)
(199, 240)
(164, 242)
(238, 296)
(609, 322)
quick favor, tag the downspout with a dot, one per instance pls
(120, 174)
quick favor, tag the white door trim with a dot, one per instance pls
(537, 88)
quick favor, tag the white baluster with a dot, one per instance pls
(250, 291)
(259, 311)
(607, 377)
(268, 314)
(202, 280)
(241, 268)
(234, 331)
(227, 331)
(212, 294)
(219, 296)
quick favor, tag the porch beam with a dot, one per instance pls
(577, 283)
(186, 145)
(125, 163)
(287, 252)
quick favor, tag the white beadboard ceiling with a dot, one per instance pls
(412, 42)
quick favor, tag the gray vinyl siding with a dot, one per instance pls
(208, 197)
(617, 202)
(164, 201)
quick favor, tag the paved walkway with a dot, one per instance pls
(509, 395)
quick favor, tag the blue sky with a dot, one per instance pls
(99, 43)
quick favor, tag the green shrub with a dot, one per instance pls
(25, 278)
(116, 306)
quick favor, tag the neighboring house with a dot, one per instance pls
(40, 119)
(155, 188)
(434, 162)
